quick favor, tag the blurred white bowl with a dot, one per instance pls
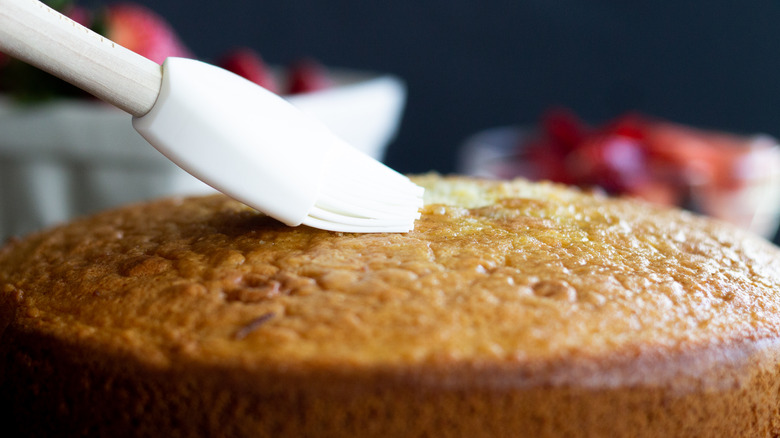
(495, 153)
(68, 158)
(498, 153)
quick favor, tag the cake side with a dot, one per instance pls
(77, 390)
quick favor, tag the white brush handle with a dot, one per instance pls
(38, 35)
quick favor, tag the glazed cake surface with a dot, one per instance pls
(512, 307)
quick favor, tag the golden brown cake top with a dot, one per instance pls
(495, 274)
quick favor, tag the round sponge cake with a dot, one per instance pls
(512, 309)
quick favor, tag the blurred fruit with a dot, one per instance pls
(143, 31)
(247, 63)
(79, 14)
(639, 156)
(613, 157)
(307, 75)
(611, 161)
(563, 129)
(703, 157)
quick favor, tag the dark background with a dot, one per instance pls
(475, 64)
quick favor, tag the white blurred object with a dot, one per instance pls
(755, 204)
(365, 113)
(494, 153)
(67, 158)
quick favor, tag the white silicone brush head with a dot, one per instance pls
(360, 194)
(257, 148)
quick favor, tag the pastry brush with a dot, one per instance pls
(230, 133)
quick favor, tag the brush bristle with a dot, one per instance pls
(359, 194)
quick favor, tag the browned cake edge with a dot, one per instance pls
(729, 391)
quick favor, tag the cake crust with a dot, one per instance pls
(512, 307)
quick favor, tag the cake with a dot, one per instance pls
(512, 309)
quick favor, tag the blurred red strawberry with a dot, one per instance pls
(630, 125)
(545, 164)
(563, 130)
(79, 14)
(307, 75)
(612, 161)
(658, 192)
(247, 63)
(701, 157)
(143, 31)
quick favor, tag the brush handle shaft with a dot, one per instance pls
(38, 35)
